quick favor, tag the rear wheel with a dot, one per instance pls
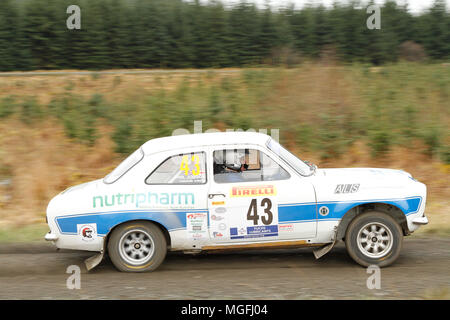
(374, 238)
(137, 247)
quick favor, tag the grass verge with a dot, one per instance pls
(30, 233)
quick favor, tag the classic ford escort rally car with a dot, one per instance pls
(233, 190)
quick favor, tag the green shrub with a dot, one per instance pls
(182, 90)
(243, 122)
(7, 106)
(79, 121)
(305, 136)
(96, 106)
(70, 126)
(445, 154)
(30, 110)
(214, 104)
(331, 139)
(88, 132)
(431, 135)
(5, 171)
(121, 137)
(380, 141)
(409, 122)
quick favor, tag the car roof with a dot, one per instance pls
(203, 139)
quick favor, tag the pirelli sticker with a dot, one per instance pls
(253, 191)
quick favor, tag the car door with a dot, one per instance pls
(178, 188)
(254, 197)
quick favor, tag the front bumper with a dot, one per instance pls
(420, 220)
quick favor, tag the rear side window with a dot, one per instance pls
(124, 166)
(187, 168)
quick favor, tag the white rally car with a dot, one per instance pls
(233, 190)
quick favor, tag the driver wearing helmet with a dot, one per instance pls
(238, 167)
(231, 171)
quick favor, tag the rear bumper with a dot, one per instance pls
(51, 237)
(73, 242)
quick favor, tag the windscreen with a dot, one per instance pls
(291, 159)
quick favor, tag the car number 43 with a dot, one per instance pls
(252, 213)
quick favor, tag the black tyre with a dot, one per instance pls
(374, 238)
(137, 247)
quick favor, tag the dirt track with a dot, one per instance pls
(38, 272)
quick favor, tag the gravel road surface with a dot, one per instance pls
(38, 271)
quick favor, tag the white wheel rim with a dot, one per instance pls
(136, 247)
(375, 240)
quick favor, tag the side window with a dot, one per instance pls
(188, 168)
(245, 165)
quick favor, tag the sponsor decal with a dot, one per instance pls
(347, 188)
(254, 232)
(324, 211)
(87, 232)
(285, 228)
(216, 218)
(196, 224)
(222, 226)
(221, 210)
(217, 234)
(143, 200)
(218, 203)
(253, 191)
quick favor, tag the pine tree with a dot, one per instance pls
(9, 30)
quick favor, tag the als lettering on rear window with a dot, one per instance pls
(124, 166)
(188, 168)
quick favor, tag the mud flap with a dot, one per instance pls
(323, 250)
(326, 248)
(94, 261)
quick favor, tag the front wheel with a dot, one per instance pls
(137, 247)
(374, 238)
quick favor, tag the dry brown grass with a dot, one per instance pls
(44, 162)
(312, 90)
(115, 86)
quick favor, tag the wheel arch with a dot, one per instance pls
(159, 225)
(395, 212)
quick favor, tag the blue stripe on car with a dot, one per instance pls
(176, 219)
(302, 212)
(170, 219)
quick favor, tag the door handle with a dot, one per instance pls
(212, 195)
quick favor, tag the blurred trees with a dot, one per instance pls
(178, 34)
